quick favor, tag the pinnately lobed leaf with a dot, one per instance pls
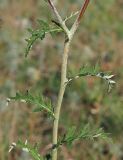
(43, 104)
(84, 132)
(40, 33)
(94, 71)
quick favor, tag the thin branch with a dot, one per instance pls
(82, 11)
(78, 19)
(72, 15)
(62, 23)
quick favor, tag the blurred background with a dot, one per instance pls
(99, 39)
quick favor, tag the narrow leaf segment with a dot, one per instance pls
(84, 132)
(41, 102)
(94, 71)
(26, 147)
(40, 33)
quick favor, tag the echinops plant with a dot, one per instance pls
(44, 104)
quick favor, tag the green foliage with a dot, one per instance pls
(85, 132)
(41, 102)
(89, 70)
(40, 33)
(95, 71)
(33, 150)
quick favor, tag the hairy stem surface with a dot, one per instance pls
(60, 97)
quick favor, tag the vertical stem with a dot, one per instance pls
(69, 34)
(60, 97)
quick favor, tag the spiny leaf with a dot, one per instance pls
(35, 34)
(44, 25)
(95, 71)
(44, 28)
(41, 102)
(89, 70)
(28, 148)
(84, 132)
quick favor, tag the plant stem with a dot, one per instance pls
(62, 23)
(78, 19)
(69, 36)
(60, 97)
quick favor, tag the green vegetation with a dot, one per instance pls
(86, 100)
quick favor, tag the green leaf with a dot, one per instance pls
(89, 70)
(95, 71)
(40, 33)
(36, 34)
(70, 136)
(44, 25)
(41, 102)
(85, 132)
(28, 148)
